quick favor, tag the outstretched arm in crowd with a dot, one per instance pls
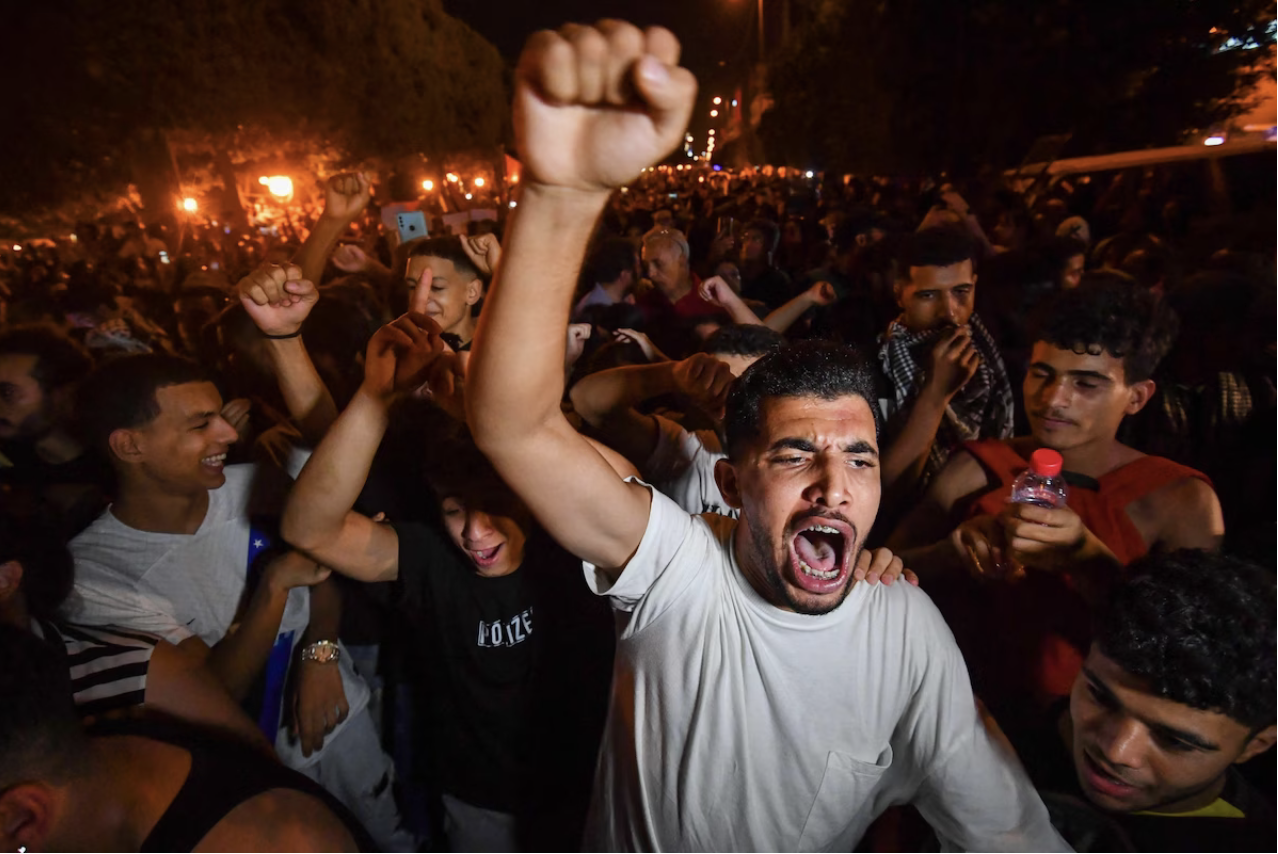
(279, 299)
(716, 291)
(318, 517)
(345, 198)
(606, 400)
(785, 316)
(593, 108)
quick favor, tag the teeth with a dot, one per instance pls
(823, 529)
(214, 460)
(816, 573)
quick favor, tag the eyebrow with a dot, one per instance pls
(1096, 375)
(795, 444)
(200, 416)
(1190, 738)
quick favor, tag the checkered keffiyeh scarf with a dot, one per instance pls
(982, 409)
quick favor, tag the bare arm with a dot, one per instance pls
(606, 400)
(180, 685)
(238, 658)
(318, 516)
(922, 538)
(716, 291)
(785, 316)
(592, 109)
(345, 197)
(1193, 518)
(279, 300)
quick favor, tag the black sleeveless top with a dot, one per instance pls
(224, 774)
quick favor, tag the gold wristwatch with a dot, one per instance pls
(322, 652)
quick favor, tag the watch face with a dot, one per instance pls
(322, 652)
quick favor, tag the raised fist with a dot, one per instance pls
(823, 293)
(706, 380)
(277, 298)
(483, 251)
(349, 258)
(594, 106)
(346, 195)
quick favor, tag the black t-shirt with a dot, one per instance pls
(513, 671)
(78, 490)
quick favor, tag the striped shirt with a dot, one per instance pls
(108, 666)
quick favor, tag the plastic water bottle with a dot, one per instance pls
(1041, 484)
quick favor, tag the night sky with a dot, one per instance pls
(719, 37)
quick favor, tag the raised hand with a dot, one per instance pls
(706, 380)
(578, 335)
(401, 354)
(483, 251)
(650, 351)
(346, 195)
(716, 291)
(277, 298)
(822, 293)
(953, 361)
(236, 413)
(349, 258)
(594, 106)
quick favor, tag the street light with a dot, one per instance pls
(479, 182)
(428, 185)
(1214, 139)
(451, 178)
(717, 100)
(278, 185)
(190, 205)
(714, 114)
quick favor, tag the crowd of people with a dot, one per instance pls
(670, 512)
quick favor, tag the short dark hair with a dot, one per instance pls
(744, 339)
(769, 229)
(610, 258)
(821, 369)
(936, 246)
(40, 734)
(59, 361)
(1199, 627)
(458, 469)
(121, 394)
(1108, 313)
(450, 249)
(28, 536)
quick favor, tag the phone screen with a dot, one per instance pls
(412, 225)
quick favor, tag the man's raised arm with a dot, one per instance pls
(593, 108)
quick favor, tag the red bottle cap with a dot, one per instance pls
(1046, 462)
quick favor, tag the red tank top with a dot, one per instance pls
(1042, 621)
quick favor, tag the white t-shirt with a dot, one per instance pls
(682, 467)
(183, 585)
(173, 585)
(736, 726)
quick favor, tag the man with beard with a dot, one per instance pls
(945, 381)
(40, 458)
(762, 699)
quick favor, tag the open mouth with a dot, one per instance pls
(484, 558)
(216, 461)
(1103, 782)
(819, 554)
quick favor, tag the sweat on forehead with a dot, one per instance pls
(820, 369)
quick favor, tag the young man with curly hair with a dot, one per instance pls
(1177, 691)
(1095, 351)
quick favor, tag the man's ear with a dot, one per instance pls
(474, 291)
(10, 579)
(725, 475)
(26, 817)
(124, 444)
(1260, 742)
(1140, 393)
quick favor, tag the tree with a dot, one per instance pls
(913, 85)
(104, 84)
